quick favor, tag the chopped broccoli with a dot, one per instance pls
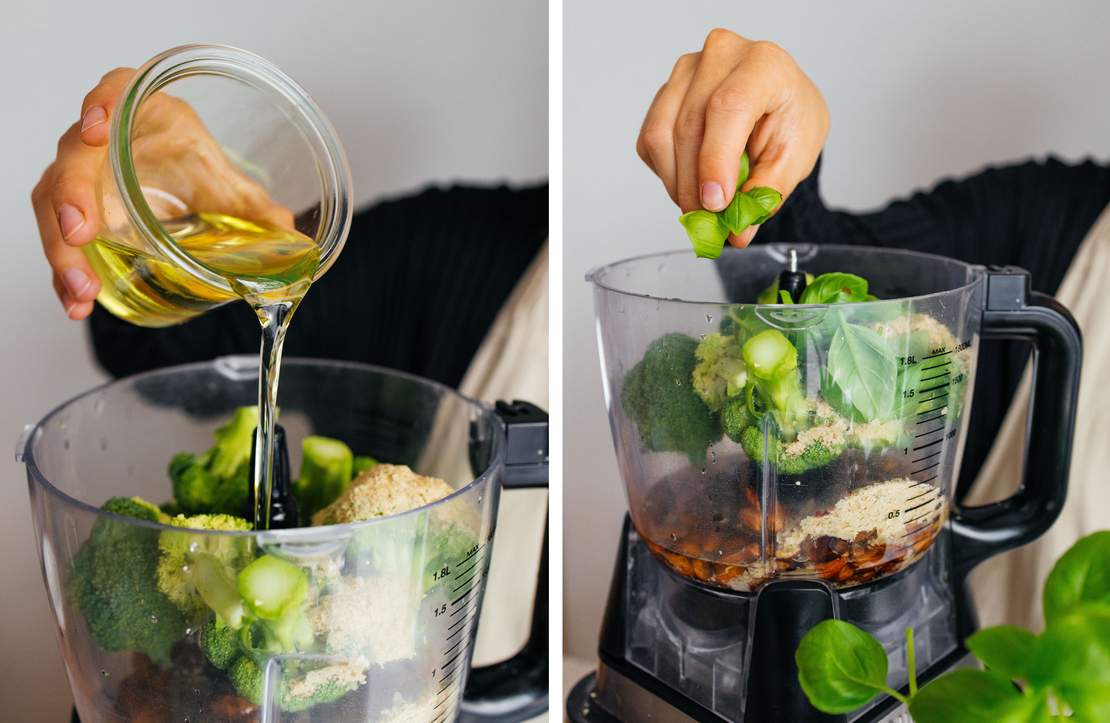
(326, 470)
(196, 570)
(220, 643)
(114, 584)
(272, 586)
(303, 685)
(659, 398)
(217, 481)
(362, 463)
(720, 372)
(773, 367)
(247, 679)
(814, 455)
(414, 550)
(736, 417)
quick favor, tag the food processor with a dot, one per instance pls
(386, 609)
(787, 463)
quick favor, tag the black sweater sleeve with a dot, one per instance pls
(416, 288)
(1033, 215)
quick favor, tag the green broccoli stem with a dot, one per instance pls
(216, 588)
(326, 472)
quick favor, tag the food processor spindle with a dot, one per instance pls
(283, 505)
(791, 280)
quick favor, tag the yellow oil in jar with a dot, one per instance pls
(262, 263)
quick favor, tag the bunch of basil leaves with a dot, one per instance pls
(1061, 674)
(708, 230)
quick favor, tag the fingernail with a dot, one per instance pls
(77, 282)
(93, 117)
(69, 307)
(69, 219)
(712, 196)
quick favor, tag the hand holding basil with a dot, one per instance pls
(709, 230)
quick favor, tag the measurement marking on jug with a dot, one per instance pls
(928, 432)
(943, 364)
(924, 481)
(938, 376)
(934, 465)
(919, 506)
(448, 651)
(464, 607)
(930, 444)
(447, 665)
(472, 553)
(930, 419)
(928, 456)
(917, 497)
(457, 623)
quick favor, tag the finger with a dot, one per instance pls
(716, 63)
(732, 111)
(656, 140)
(74, 309)
(71, 269)
(73, 188)
(96, 109)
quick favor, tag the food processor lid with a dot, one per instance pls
(244, 367)
(679, 277)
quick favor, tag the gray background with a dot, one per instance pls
(916, 92)
(419, 92)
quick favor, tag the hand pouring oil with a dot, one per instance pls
(267, 266)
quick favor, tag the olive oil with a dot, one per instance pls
(267, 266)
(261, 262)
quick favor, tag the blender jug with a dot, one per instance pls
(222, 178)
(820, 441)
(385, 611)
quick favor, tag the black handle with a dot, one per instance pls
(1013, 311)
(516, 689)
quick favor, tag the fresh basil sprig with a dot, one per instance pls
(1026, 677)
(709, 230)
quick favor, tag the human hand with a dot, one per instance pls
(734, 94)
(172, 152)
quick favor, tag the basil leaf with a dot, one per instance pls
(974, 696)
(840, 667)
(835, 288)
(1074, 653)
(706, 232)
(750, 208)
(745, 168)
(1005, 649)
(1082, 575)
(861, 364)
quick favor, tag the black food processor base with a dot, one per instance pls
(674, 650)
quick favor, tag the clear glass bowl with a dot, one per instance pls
(841, 468)
(393, 603)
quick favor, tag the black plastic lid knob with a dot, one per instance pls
(283, 505)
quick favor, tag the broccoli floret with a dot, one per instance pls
(720, 372)
(407, 551)
(659, 397)
(246, 678)
(220, 644)
(362, 463)
(302, 684)
(387, 489)
(196, 571)
(326, 470)
(813, 455)
(114, 584)
(735, 417)
(217, 481)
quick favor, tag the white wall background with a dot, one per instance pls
(916, 91)
(419, 92)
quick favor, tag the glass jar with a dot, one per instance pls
(222, 177)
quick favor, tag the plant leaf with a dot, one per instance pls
(974, 696)
(749, 208)
(1081, 575)
(1005, 649)
(745, 168)
(840, 667)
(862, 365)
(1074, 653)
(707, 233)
(835, 288)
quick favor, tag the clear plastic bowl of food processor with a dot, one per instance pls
(393, 603)
(840, 466)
